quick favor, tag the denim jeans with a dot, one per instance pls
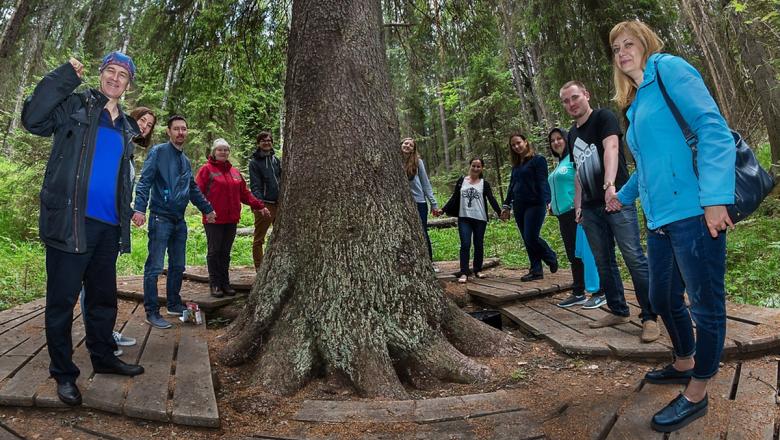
(468, 228)
(529, 219)
(603, 230)
(422, 209)
(683, 256)
(65, 274)
(164, 234)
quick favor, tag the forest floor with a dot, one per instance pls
(569, 397)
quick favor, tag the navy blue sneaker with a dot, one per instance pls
(176, 310)
(679, 413)
(157, 321)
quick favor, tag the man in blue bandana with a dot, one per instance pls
(85, 209)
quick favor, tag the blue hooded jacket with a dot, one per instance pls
(664, 179)
(167, 173)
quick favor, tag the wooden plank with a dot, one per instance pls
(194, 402)
(633, 420)
(492, 296)
(147, 397)
(754, 314)
(131, 287)
(106, 392)
(22, 310)
(241, 277)
(715, 424)
(20, 389)
(11, 364)
(22, 332)
(583, 344)
(753, 416)
(329, 411)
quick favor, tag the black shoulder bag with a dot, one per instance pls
(753, 183)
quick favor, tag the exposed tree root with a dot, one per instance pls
(474, 338)
(441, 360)
(288, 359)
(375, 376)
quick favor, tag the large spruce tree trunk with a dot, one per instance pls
(346, 287)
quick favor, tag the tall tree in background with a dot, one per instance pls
(347, 288)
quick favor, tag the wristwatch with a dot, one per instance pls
(608, 184)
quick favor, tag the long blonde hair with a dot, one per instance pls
(410, 159)
(625, 89)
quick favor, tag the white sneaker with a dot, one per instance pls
(436, 269)
(118, 352)
(123, 340)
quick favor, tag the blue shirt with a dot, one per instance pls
(104, 174)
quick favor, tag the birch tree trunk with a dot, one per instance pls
(346, 287)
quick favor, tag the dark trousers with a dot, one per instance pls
(568, 228)
(422, 209)
(220, 241)
(468, 228)
(65, 272)
(529, 219)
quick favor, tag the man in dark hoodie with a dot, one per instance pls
(265, 173)
(85, 210)
(167, 174)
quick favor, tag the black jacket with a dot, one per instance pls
(452, 208)
(73, 119)
(265, 175)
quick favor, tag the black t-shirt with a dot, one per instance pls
(586, 144)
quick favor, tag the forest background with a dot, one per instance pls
(465, 74)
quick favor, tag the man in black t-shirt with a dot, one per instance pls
(595, 141)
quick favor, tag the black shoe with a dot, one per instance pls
(530, 276)
(117, 366)
(69, 393)
(216, 291)
(229, 291)
(669, 374)
(553, 266)
(678, 414)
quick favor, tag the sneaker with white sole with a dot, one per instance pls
(594, 302)
(123, 341)
(463, 279)
(157, 321)
(118, 352)
(176, 310)
(572, 300)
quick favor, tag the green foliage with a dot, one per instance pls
(19, 186)
(22, 272)
(519, 375)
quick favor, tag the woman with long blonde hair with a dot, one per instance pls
(685, 207)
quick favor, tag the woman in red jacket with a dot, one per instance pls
(226, 190)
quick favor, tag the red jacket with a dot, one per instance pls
(226, 190)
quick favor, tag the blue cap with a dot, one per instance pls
(119, 59)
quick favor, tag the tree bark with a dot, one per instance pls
(346, 287)
(439, 80)
(14, 27)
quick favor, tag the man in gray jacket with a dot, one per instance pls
(167, 174)
(85, 210)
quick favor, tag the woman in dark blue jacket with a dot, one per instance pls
(685, 211)
(528, 196)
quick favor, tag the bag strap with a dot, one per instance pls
(690, 137)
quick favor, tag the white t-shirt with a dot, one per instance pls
(472, 202)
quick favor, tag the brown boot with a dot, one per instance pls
(650, 331)
(608, 321)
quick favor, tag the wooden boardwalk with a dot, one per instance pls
(176, 385)
(750, 330)
(743, 404)
(498, 291)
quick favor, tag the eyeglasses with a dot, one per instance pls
(262, 141)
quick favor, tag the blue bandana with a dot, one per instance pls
(119, 59)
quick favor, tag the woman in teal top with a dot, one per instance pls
(561, 181)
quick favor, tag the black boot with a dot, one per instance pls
(216, 291)
(229, 291)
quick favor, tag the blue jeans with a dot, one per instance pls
(603, 230)
(164, 234)
(529, 219)
(422, 209)
(468, 228)
(683, 256)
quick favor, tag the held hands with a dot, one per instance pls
(211, 217)
(504, 214)
(139, 219)
(717, 219)
(79, 68)
(436, 212)
(265, 212)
